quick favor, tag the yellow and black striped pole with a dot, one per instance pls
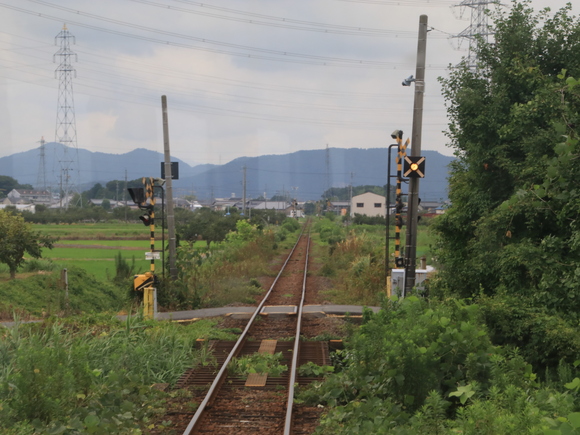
(149, 292)
(399, 204)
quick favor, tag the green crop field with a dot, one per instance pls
(94, 247)
(99, 262)
(88, 231)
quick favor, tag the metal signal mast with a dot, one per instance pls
(479, 27)
(66, 129)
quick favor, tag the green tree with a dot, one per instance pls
(18, 238)
(310, 208)
(6, 185)
(97, 191)
(513, 224)
(211, 226)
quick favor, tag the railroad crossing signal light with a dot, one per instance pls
(146, 219)
(400, 262)
(414, 167)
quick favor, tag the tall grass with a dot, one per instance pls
(357, 267)
(91, 374)
(223, 274)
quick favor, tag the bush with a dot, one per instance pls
(291, 225)
(123, 270)
(37, 265)
(424, 367)
(544, 338)
(405, 351)
(219, 275)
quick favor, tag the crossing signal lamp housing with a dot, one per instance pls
(137, 195)
(146, 219)
(414, 167)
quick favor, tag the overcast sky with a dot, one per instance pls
(242, 77)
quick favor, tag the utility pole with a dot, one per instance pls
(244, 194)
(328, 183)
(413, 200)
(350, 214)
(125, 195)
(169, 188)
(41, 178)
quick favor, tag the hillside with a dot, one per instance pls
(302, 174)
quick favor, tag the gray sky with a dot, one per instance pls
(242, 77)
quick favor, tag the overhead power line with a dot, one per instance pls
(189, 75)
(419, 3)
(281, 22)
(284, 56)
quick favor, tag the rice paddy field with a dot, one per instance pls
(95, 246)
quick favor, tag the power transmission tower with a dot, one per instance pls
(478, 29)
(66, 129)
(41, 178)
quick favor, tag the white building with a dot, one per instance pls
(368, 204)
(21, 196)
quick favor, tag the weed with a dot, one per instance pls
(311, 369)
(258, 363)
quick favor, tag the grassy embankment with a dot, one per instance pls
(353, 259)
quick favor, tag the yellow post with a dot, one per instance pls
(148, 303)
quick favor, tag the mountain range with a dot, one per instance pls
(304, 175)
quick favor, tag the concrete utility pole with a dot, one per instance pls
(413, 200)
(244, 194)
(169, 189)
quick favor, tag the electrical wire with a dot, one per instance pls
(285, 56)
(284, 22)
(418, 3)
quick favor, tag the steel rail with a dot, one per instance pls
(294, 366)
(220, 376)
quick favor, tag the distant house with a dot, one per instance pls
(112, 202)
(282, 206)
(21, 196)
(223, 204)
(432, 208)
(368, 204)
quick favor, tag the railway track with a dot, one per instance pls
(259, 402)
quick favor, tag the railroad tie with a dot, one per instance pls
(259, 379)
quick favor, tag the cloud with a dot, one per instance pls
(242, 98)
